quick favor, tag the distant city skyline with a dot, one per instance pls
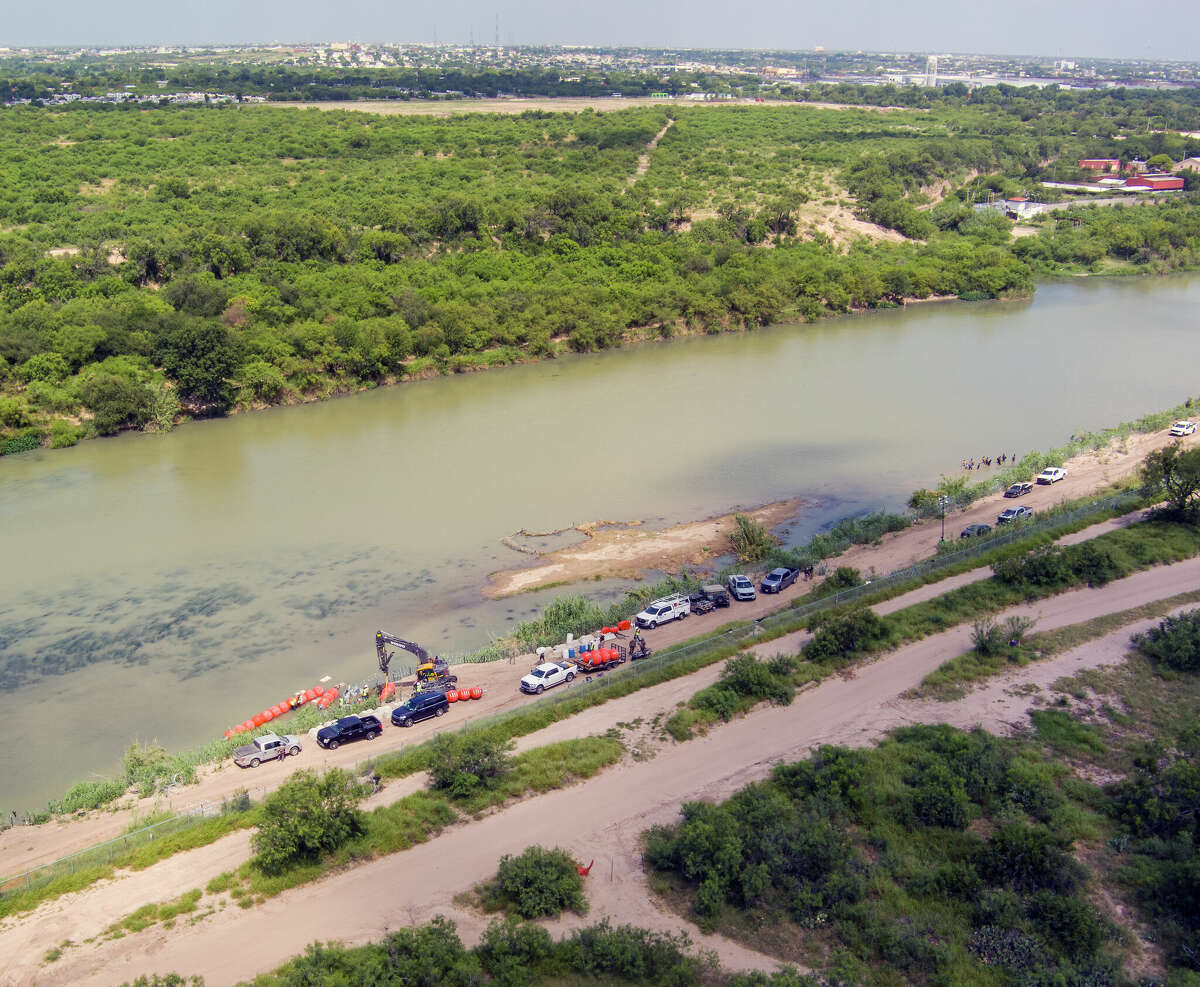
(1168, 30)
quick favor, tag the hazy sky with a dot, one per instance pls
(1059, 28)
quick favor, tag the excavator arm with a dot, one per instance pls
(383, 639)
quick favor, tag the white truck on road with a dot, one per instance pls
(550, 674)
(674, 607)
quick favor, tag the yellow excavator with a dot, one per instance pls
(432, 673)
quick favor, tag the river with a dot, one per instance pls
(165, 587)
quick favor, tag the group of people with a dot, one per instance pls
(985, 461)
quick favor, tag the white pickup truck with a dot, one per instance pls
(550, 674)
(674, 607)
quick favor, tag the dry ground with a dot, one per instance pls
(599, 821)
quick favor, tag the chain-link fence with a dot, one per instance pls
(736, 634)
(117, 850)
(740, 633)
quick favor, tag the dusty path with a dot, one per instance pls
(600, 820)
(643, 164)
(23, 848)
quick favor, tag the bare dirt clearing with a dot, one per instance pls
(600, 820)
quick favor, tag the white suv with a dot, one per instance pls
(674, 607)
(1051, 474)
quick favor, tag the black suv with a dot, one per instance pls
(419, 707)
(348, 728)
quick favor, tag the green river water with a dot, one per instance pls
(168, 586)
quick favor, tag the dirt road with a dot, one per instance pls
(23, 848)
(600, 820)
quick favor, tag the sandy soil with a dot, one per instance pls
(599, 821)
(627, 552)
(26, 847)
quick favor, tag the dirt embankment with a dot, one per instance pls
(630, 551)
(609, 552)
(601, 820)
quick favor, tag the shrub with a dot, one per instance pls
(88, 795)
(512, 951)
(262, 381)
(13, 413)
(463, 763)
(309, 814)
(751, 541)
(1072, 926)
(62, 434)
(631, 954)
(541, 882)
(1027, 858)
(844, 635)
(22, 443)
(1175, 642)
(115, 401)
(939, 798)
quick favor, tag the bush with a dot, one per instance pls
(461, 763)
(631, 954)
(512, 951)
(1175, 642)
(88, 795)
(308, 815)
(842, 636)
(751, 541)
(22, 443)
(115, 401)
(1028, 858)
(62, 434)
(540, 882)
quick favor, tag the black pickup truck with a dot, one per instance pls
(347, 729)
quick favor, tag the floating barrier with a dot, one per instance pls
(476, 692)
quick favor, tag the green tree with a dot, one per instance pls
(202, 357)
(464, 763)
(1175, 642)
(1173, 472)
(541, 882)
(115, 401)
(308, 815)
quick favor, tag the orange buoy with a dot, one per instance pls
(228, 734)
(249, 725)
(387, 691)
(258, 720)
(310, 695)
(332, 693)
(452, 696)
(623, 625)
(476, 692)
(319, 690)
(268, 715)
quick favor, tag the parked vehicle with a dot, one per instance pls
(419, 707)
(701, 603)
(740, 588)
(1183, 428)
(779, 579)
(674, 607)
(601, 659)
(545, 676)
(1019, 489)
(976, 530)
(1009, 514)
(268, 747)
(717, 594)
(1051, 474)
(347, 730)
